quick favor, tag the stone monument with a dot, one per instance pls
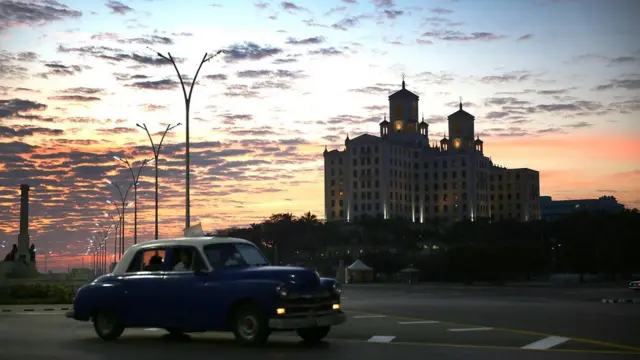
(20, 263)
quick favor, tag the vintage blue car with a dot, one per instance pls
(209, 284)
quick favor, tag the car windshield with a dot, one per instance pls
(233, 255)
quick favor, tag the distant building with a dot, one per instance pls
(404, 173)
(555, 209)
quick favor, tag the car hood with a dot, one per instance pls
(297, 278)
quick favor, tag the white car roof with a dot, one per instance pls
(198, 242)
(195, 241)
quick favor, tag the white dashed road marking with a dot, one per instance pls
(381, 339)
(368, 316)
(152, 329)
(36, 313)
(546, 343)
(472, 329)
(418, 322)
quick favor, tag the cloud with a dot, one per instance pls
(57, 69)
(429, 77)
(22, 131)
(22, 14)
(308, 41)
(127, 77)
(74, 98)
(271, 84)
(152, 107)
(441, 11)
(392, 14)
(231, 119)
(271, 73)
(141, 40)
(335, 10)
(383, 4)
(164, 84)
(578, 125)
(82, 90)
(627, 84)
(118, 8)
(291, 7)
(241, 90)
(506, 78)
(452, 35)
(525, 37)
(116, 55)
(437, 21)
(424, 42)
(331, 51)
(377, 89)
(15, 107)
(261, 5)
(344, 24)
(249, 51)
(216, 77)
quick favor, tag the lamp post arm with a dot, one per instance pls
(162, 139)
(124, 200)
(136, 177)
(119, 191)
(155, 153)
(193, 82)
(184, 91)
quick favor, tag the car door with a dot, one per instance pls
(144, 303)
(186, 288)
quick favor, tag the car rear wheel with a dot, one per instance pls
(314, 334)
(249, 325)
(107, 325)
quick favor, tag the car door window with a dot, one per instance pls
(186, 258)
(148, 260)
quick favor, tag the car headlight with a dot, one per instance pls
(282, 291)
(337, 288)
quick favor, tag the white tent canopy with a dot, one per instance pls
(359, 266)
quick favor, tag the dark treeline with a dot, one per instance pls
(583, 243)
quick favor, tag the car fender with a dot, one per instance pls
(97, 295)
(260, 291)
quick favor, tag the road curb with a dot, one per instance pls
(34, 309)
(620, 301)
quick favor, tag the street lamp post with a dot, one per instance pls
(156, 155)
(123, 203)
(135, 192)
(104, 232)
(119, 239)
(116, 227)
(187, 103)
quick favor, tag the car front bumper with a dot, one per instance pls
(292, 323)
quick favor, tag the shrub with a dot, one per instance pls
(37, 294)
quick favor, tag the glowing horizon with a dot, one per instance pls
(553, 85)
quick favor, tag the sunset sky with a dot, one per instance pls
(554, 86)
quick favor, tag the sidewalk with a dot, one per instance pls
(533, 284)
(29, 308)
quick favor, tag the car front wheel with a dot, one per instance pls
(314, 334)
(107, 325)
(250, 326)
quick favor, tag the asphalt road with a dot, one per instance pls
(383, 324)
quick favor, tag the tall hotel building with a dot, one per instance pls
(402, 173)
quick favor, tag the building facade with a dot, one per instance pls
(404, 173)
(557, 209)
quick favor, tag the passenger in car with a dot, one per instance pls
(155, 263)
(185, 262)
